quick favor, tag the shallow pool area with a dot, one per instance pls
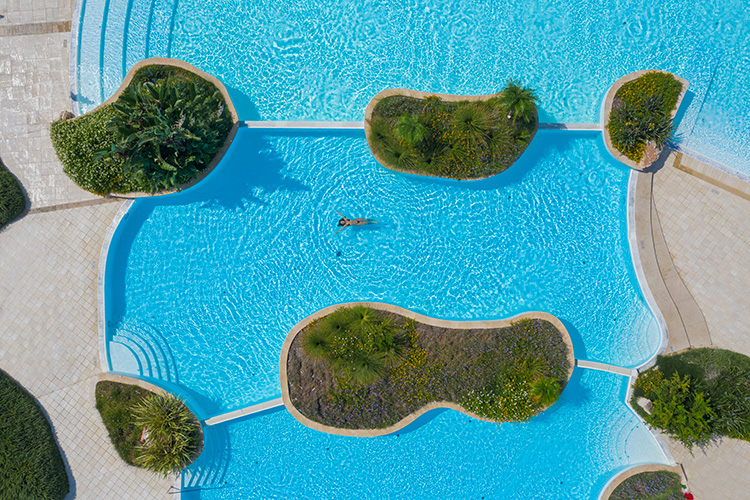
(325, 61)
(203, 286)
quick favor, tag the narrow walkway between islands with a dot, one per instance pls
(335, 125)
(603, 367)
(243, 412)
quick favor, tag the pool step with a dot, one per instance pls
(151, 349)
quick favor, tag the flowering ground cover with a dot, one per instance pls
(660, 485)
(506, 374)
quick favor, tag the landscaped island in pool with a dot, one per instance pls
(459, 137)
(371, 370)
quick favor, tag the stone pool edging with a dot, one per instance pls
(458, 325)
(166, 61)
(607, 109)
(616, 481)
(417, 94)
(105, 363)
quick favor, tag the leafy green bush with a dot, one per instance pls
(661, 485)
(461, 140)
(115, 403)
(698, 393)
(31, 465)
(77, 143)
(173, 435)
(12, 200)
(164, 129)
(641, 112)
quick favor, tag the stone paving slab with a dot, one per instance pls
(34, 89)
(35, 11)
(49, 341)
(707, 231)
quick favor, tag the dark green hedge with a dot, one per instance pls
(31, 465)
(12, 200)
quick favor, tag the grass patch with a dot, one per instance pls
(641, 113)
(697, 394)
(163, 130)
(12, 200)
(31, 465)
(661, 485)
(506, 374)
(115, 403)
(459, 140)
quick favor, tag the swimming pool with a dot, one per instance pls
(324, 60)
(203, 286)
(217, 276)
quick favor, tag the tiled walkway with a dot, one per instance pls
(48, 269)
(707, 231)
(34, 89)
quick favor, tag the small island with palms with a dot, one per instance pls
(369, 370)
(458, 137)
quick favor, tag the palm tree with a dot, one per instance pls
(473, 122)
(410, 130)
(173, 434)
(546, 390)
(519, 102)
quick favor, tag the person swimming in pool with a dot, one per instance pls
(345, 222)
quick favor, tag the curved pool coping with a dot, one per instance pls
(427, 320)
(607, 109)
(104, 359)
(417, 94)
(166, 61)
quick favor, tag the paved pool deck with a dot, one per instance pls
(49, 259)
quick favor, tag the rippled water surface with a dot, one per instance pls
(311, 60)
(568, 452)
(217, 276)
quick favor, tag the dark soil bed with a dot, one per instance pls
(473, 368)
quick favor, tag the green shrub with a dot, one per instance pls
(12, 200)
(698, 393)
(682, 412)
(641, 112)
(460, 140)
(77, 143)
(173, 434)
(661, 485)
(165, 128)
(31, 465)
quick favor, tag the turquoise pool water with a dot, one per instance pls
(211, 280)
(308, 60)
(569, 452)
